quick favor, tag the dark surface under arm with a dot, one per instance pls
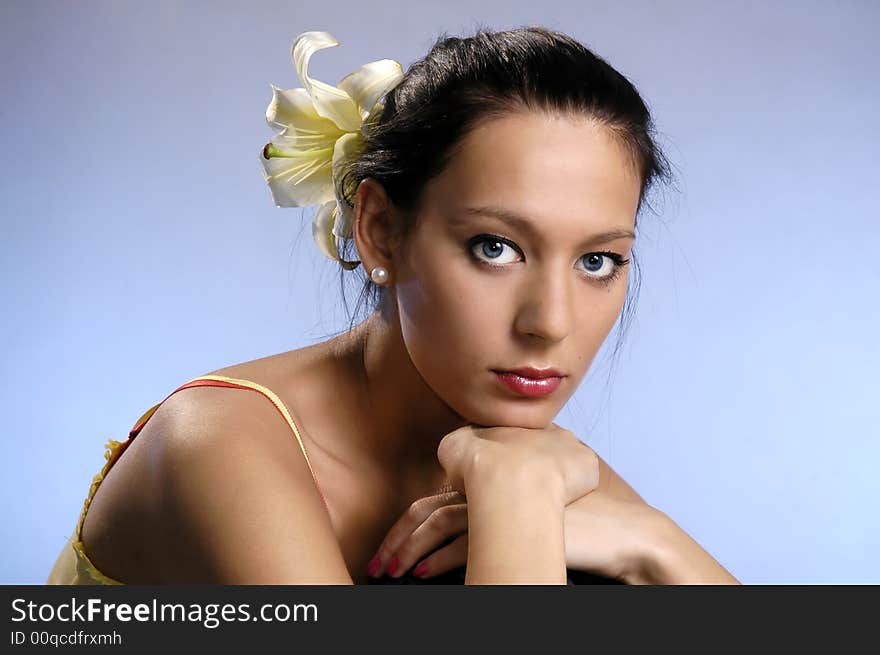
(456, 577)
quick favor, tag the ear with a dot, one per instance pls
(374, 228)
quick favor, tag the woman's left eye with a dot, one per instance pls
(599, 264)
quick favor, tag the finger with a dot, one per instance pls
(412, 518)
(445, 559)
(443, 523)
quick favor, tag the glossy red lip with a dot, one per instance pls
(534, 373)
(528, 386)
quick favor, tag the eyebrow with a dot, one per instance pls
(514, 219)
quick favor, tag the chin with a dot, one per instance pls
(511, 417)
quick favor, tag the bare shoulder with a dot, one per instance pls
(275, 370)
(614, 485)
(239, 502)
(231, 498)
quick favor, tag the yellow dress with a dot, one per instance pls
(73, 566)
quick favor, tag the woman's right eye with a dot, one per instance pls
(490, 249)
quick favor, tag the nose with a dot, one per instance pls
(545, 311)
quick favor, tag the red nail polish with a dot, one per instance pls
(392, 565)
(420, 570)
(373, 567)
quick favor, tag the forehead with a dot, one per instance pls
(541, 165)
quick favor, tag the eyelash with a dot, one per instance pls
(619, 262)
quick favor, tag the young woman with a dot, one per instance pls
(491, 193)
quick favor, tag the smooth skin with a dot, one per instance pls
(412, 437)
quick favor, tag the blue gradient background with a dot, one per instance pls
(141, 248)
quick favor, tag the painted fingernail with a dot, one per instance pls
(373, 566)
(392, 565)
(420, 570)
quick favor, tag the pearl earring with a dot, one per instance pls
(379, 275)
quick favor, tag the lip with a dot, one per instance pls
(534, 373)
(528, 386)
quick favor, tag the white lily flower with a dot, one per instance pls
(319, 128)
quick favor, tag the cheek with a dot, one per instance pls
(449, 318)
(596, 320)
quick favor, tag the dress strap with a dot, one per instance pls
(232, 383)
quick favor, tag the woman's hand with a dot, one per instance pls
(472, 451)
(603, 535)
(625, 540)
(474, 455)
(429, 522)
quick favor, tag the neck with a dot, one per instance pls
(403, 419)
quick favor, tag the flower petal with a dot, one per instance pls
(322, 232)
(370, 82)
(329, 101)
(322, 226)
(293, 107)
(297, 178)
(344, 223)
(346, 149)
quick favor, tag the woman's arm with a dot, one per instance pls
(517, 482)
(656, 550)
(672, 557)
(516, 526)
(610, 531)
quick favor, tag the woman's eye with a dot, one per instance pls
(598, 264)
(604, 267)
(492, 250)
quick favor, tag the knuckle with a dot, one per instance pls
(452, 496)
(442, 517)
(435, 526)
(417, 509)
(449, 445)
(443, 522)
(438, 522)
(443, 446)
(457, 434)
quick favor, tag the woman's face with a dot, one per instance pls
(511, 264)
